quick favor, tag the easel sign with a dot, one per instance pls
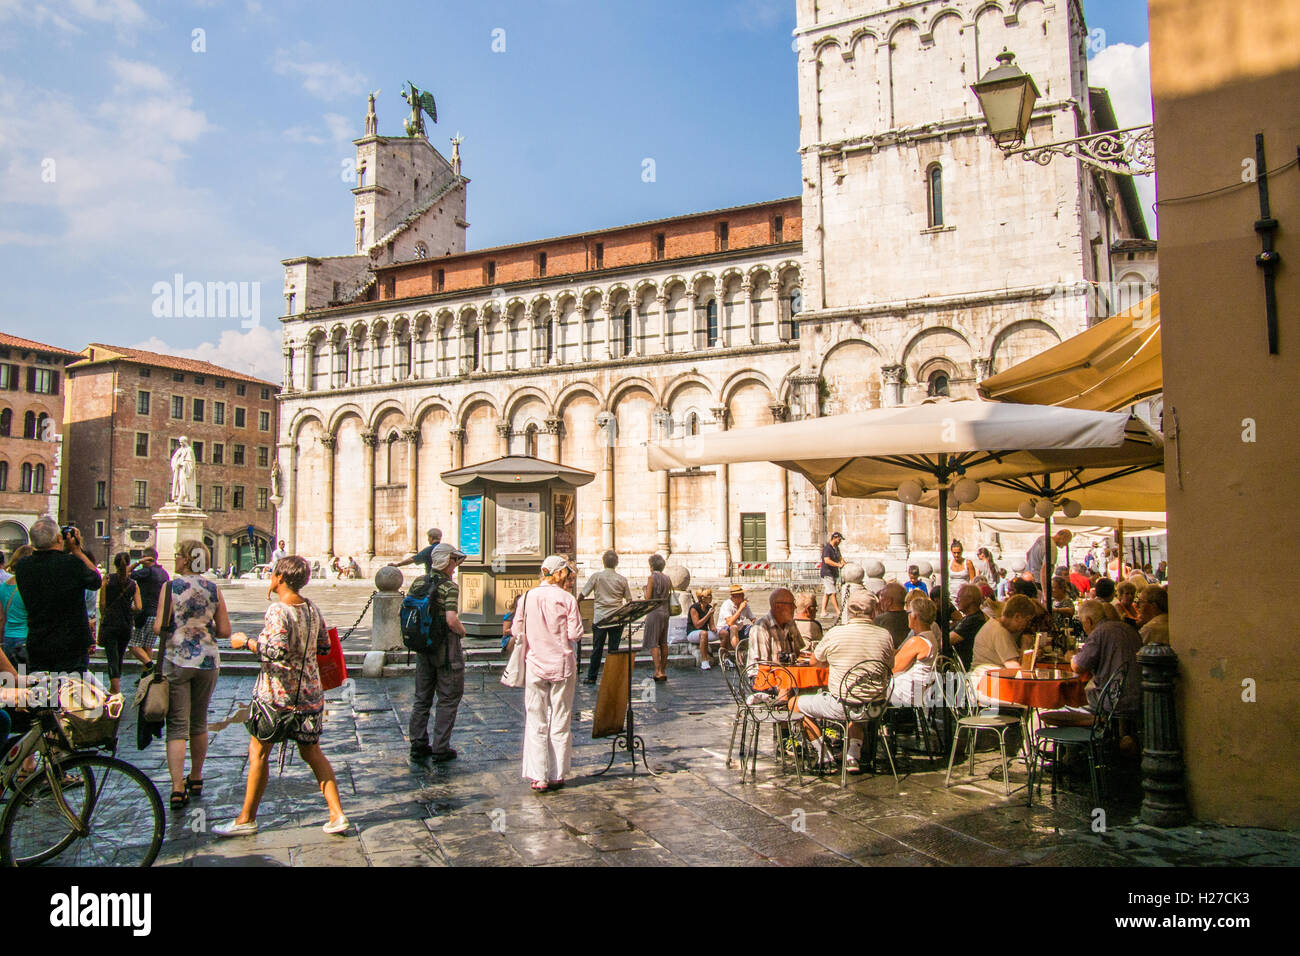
(614, 716)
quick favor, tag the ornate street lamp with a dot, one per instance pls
(1007, 95)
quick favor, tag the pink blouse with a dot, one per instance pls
(549, 616)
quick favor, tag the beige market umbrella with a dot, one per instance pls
(1110, 366)
(997, 453)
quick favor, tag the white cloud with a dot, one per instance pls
(1124, 71)
(338, 129)
(132, 73)
(256, 351)
(321, 78)
(65, 14)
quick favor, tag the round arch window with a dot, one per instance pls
(937, 385)
(12, 537)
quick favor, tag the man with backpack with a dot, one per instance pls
(432, 631)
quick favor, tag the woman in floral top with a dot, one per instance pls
(288, 703)
(192, 617)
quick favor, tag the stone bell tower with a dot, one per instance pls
(409, 201)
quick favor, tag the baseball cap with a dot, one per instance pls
(837, 534)
(554, 563)
(444, 554)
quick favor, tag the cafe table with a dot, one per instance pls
(807, 677)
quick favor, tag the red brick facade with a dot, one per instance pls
(119, 445)
(32, 383)
(700, 234)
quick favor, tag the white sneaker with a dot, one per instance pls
(233, 829)
(338, 826)
(706, 666)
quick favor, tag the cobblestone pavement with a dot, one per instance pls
(477, 810)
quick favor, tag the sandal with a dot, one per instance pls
(540, 786)
(178, 799)
(193, 788)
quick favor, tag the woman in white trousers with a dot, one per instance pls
(550, 625)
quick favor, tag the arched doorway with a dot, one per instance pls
(249, 548)
(12, 537)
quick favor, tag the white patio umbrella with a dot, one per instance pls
(997, 453)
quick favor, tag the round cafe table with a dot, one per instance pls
(1038, 689)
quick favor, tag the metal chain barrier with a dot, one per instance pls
(370, 600)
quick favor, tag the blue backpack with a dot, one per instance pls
(424, 620)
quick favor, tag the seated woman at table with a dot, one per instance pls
(703, 628)
(805, 618)
(1125, 594)
(914, 662)
(1061, 600)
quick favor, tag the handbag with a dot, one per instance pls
(88, 715)
(674, 605)
(332, 665)
(153, 697)
(515, 672)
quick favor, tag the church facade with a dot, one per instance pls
(914, 260)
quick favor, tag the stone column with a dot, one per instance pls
(897, 516)
(287, 352)
(662, 300)
(374, 360)
(369, 440)
(392, 361)
(635, 306)
(354, 356)
(480, 338)
(780, 413)
(554, 430)
(456, 436)
(663, 419)
(411, 434)
(747, 288)
(417, 351)
(983, 368)
(609, 329)
(531, 321)
(720, 297)
(722, 540)
(692, 334)
(329, 442)
(460, 345)
(503, 429)
(608, 427)
(287, 511)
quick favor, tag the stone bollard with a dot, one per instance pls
(1164, 801)
(385, 621)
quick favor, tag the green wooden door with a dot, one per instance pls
(753, 537)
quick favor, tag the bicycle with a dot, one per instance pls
(103, 809)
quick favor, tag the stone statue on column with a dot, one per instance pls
(182, 464)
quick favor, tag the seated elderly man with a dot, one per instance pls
(1153, 614)
(998, 642)
(774, 636)
(734, 618)
(961, 639)
(843, 648)
(1111, 644)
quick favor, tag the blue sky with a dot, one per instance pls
(218, 164)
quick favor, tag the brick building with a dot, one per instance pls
(126, 408)
(31, 426)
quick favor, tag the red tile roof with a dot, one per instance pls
(8, 341)
(158, 360)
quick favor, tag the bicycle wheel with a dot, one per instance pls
(40, 829)
(123, 816)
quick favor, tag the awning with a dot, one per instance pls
(1090, 522)
(1103, 460)
(1110, 366)
(517, 469)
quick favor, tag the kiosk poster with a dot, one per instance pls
(519, 523)
(471, 526)
(565, 516)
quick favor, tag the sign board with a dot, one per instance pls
(519, 523)
(471, 592)
(508, 591)
(471, 526)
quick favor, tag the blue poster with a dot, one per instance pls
(471, 526)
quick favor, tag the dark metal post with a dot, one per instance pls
(1164, 800)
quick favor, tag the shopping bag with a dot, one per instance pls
(333, 667)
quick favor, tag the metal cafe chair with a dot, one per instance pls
(727, 661)
(861, 699)
(970, 718)
(758, 706)
(1092, 738)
